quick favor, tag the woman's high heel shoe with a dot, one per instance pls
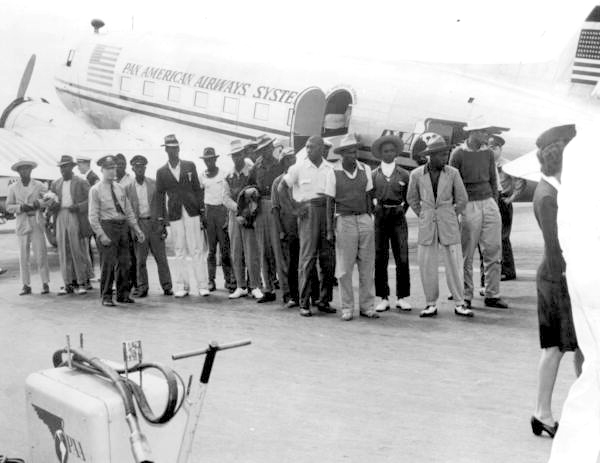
(537, 427)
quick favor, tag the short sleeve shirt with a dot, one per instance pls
(306, 180)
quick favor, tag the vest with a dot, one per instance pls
(350, 193)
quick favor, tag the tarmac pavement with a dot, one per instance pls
(396, 389)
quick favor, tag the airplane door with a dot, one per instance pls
(308, 116)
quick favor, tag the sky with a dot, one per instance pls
(446, 31)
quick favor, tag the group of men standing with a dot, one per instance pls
(277, 222)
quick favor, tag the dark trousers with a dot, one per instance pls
(132, 273)
(508, 261)
(216, 231)
(312, 231)
(290, 249)
(391, 228)
(114, 259)
(155, 244)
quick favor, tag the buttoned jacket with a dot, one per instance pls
(79, 194)
(17, 196)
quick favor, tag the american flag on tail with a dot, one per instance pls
(586, 66)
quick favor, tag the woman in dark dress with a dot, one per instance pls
(557, 332)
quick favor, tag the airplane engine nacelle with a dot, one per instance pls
(27, 113)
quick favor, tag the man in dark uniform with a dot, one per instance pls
(266, 169)
(84, 167)
(390, 183)
(110, 215)
(142, 194)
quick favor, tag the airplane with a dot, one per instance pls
(123, 92)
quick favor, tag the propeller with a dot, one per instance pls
(26, 78)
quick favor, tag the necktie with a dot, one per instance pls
(114, 197)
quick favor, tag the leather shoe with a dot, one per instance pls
(211, 286)
(507, 277)
(168, 292)
(538, 426)
(467, 304)
(25, 291)
(463, 311)
(325, 307)
(305, 312)
(429, 311)
(267, 297)
(142, 293)
(45, 288)
(108, 303)
(495, 302)
(125, 300)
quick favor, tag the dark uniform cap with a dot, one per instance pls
(138, 160)
(120, 157)
(561, 132)
(107, 162)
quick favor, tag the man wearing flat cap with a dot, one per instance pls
(390, 182)
(25, 200)
(212, 180)
(85, 169)
(111, 216)
(266, 169)
(481, 223)
(142, 194)
(510, 188)
(178, 179)
(72, 227)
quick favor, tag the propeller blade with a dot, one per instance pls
(26, 77)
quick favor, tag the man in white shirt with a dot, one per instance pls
(305, 183)
(142, 194)
(349, 217)
(212, 180)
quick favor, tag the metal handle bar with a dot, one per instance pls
(213, 346)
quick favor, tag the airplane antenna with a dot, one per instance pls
(97, 24)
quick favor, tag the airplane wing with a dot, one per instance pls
(526, 166)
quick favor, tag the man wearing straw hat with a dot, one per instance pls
(437, 195)
(481, 223)
(213, 182)
(262, 175)
(72, 226)
(25, 200)
(390, 182)
(349, 215)
(178, 179)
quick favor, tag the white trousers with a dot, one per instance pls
(36, 240)
(191, 249)
(578, 436)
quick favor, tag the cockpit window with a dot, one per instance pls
(70, 57)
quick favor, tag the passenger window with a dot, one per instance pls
(201, 99)
(125, 84)
(174, 93)
(148, 88)
(230, 105)
(261, 111)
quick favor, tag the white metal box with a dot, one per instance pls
(78, 417)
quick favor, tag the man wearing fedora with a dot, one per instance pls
(348, 191)
(262, 174)
(111, 216)
(481, 224)
(390, 182)
(244, 248)
(25, 200)
(213, 182)
(438, 197)
(178, 179)
(72, 227)
(85, 169)
(303, 191)
(142, 195)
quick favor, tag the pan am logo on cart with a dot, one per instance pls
(64, 445)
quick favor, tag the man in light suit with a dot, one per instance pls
(72, 227)
(142, 193)
(437, 195)
(185, 210)
(24, 199)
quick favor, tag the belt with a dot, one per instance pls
(390, 206)
(114, 221)
(214, 205)
(265, 198)
(317, 201)
(145, 218)
(344, 214)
